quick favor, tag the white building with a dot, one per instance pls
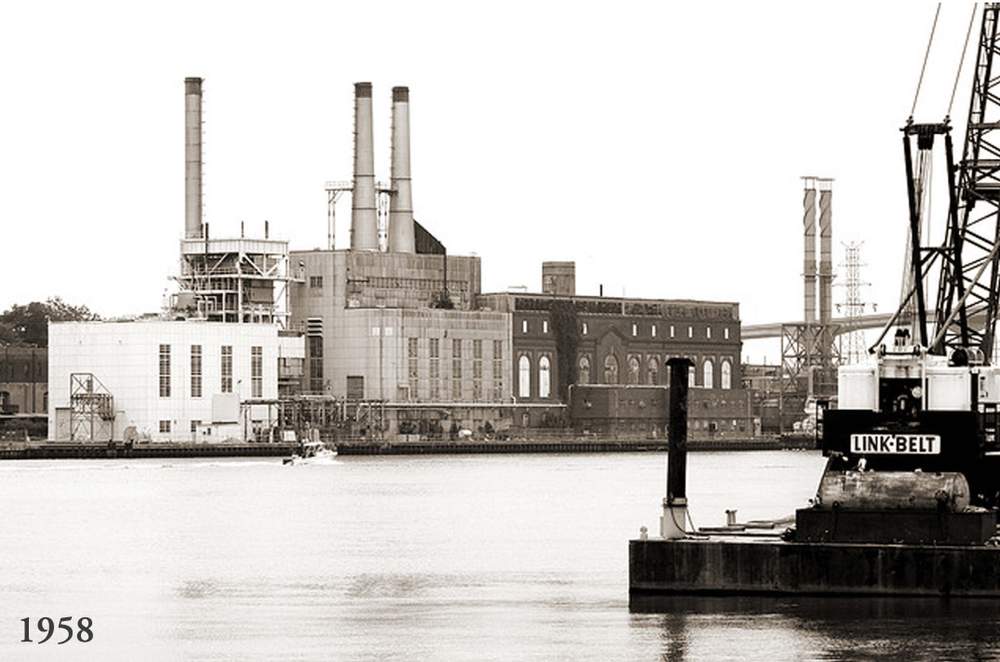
(162, 380)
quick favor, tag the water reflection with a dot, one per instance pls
(698, 628)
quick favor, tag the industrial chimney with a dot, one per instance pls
(401, 237)
(192, 158)
(825, 250)
(809, 258)
(364, 219)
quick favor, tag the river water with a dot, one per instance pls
(505, 557)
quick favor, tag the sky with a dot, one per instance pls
(659, 145)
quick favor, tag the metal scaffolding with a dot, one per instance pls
(92, 409)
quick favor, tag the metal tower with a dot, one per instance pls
(853, 349)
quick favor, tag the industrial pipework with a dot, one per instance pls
(364, 218)
(192, 158)
(401, 236)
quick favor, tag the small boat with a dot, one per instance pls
(313, 452)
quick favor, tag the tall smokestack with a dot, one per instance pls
(825, 250)
(809, 258)
(192, 158)
(364, 219)
(401, 203)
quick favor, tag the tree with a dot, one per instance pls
(29, 323)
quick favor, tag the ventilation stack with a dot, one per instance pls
(825, 187)
(401, 236)
(192, 158)
(826, 270)
(809, 259)
(364, 218)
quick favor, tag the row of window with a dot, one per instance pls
(225, 366)
(672, 330)
(611, 373)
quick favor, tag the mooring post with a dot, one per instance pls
(674, 518)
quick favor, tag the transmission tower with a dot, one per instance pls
(854, 349)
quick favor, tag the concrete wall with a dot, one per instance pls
(367, 307)
(124, 357)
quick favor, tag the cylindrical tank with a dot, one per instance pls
(893, 490)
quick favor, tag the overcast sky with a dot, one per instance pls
(660, 145)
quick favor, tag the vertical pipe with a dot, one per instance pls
(364, 220)
(915, 265)
(809, 246)
(680, 366)
(401, 238)
(192, 158)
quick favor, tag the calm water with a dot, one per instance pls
(481, 557)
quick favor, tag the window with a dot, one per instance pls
(633, 370)
(456, 369)
(256, 372)
(671, 330)
(164, 426)
(544, 378)
(652, 330)
(610, 369)
(524, 377)
(635, 329)
(165, 372)
(315, 281)
(411, 366)
(477, 370)
(194, 425)
(583, 372)
(727, 374)
(315, 347)
(708, 332)
(707, 373)
(585, 328)
(435, 369)
(652, 370)
(692, 375)
(227, 369)
(498, 370)
(524, 326)
(725, 333)
(195, 371)
(545, 326)
(690, 332)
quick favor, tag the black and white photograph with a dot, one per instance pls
(445, 330)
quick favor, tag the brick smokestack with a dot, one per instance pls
(401, 237)
(364, 219)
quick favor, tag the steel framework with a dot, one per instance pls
(966, 299)
(333, 192)
(853, 344)
(92, 409)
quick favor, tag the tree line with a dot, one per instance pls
(29, 324)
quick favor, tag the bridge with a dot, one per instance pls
(846, 325)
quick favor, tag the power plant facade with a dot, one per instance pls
(389, 332)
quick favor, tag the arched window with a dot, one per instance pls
(524, 377)
(583, 375)
(727, 374)
(653, 370)
(610, 369)
(707, 373)
(692, 373)
(633, 370)
(543, 377)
